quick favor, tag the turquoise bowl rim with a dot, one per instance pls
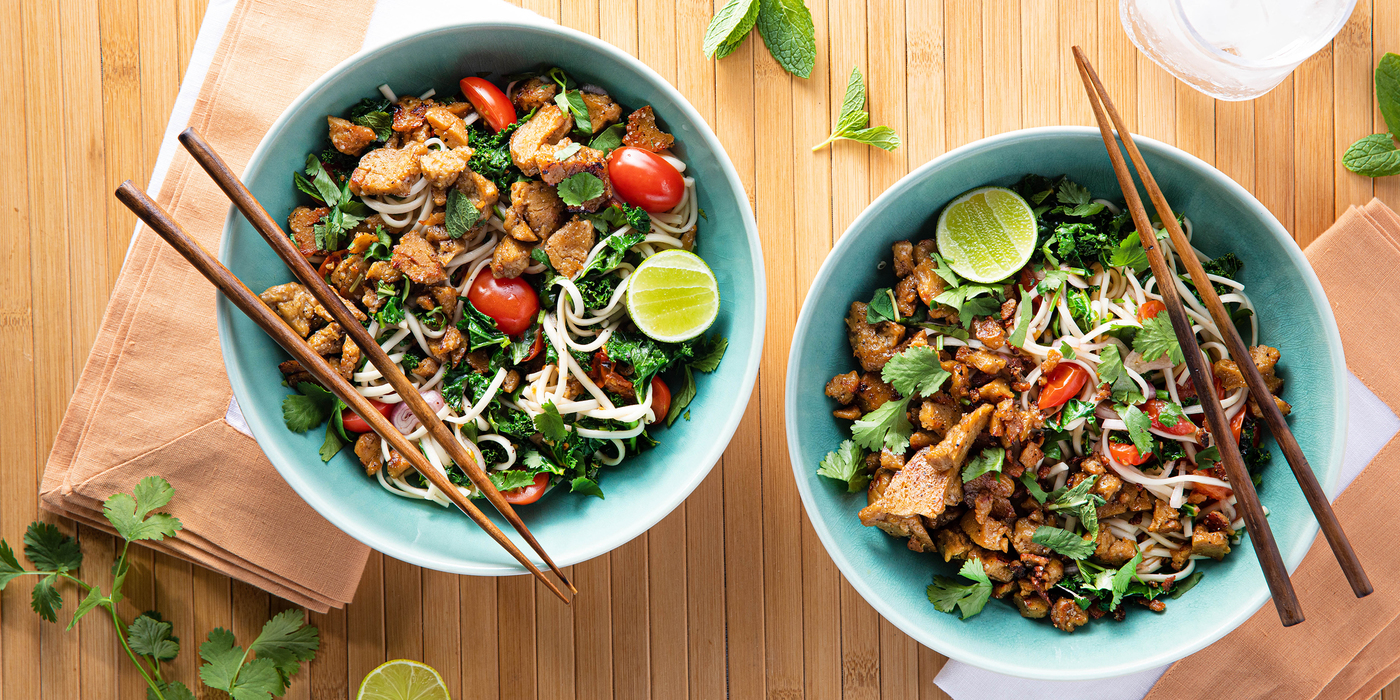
(657, 509)
(1002, 664)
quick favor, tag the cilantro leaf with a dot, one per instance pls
(853, 122)
(150, 636)
(1064, 542)
(1169, 414)
(50, 550)
(846, 463)
(1066, 351)
(461, 214)
(1184, 585)
(512, 479)
(1033, 486)
(916, 370)
(171, 691)
(285, 642)
(1208, 457)
(585, 486)
(1123, 577)
(133, 519)
(1129, 253)
(1111, 370)
(45, 599)
(551, 423)
(886, 427)
(968, 302)
(306, 410)
(579, 188)
(944, 271)
(989, 459)
(1158, 338)
(222, 659)
(1071, 192)
(1139, 425)
(787, 30)
(945, 593)
(333, 444)
(1077, 501)
(728, 28)
(9, 565)
(94, 598)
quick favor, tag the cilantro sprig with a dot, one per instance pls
(946, 593)
(846, 463)
(147, 640)
(853, 123)
(1077, 501)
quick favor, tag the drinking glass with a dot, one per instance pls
(1232, 49)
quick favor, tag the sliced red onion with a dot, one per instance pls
(403, 417)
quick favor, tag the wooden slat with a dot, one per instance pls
(403, 610)
(1001, 67)
(329, 670)
(1040, 65)
(364, 622)
(554, 648)
(1353, 92)
(963, 61)
(1312, 147)
(480, 661)
(593, 630)
(1078, 27)
(100, 653)
(440, 622)
(1385, 36)
(213, 607)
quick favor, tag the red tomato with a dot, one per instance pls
(660, 399)
(329, 263)
(1237, 426)
(355, 424)
(1061, 385)
(1127, 453)
(1187, 388)
(536, 348)
(1154, 407)
(642, 178)
(511, 302)
(528, 494)
(1212, 491)
(489, 101)
(1150, 310)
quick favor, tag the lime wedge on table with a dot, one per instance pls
(673, 296)
(987, 234)
(402, 679)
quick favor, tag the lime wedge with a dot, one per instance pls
(402, 679)
(986, 235)
(673, 296)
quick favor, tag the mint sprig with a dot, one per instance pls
(853, 123)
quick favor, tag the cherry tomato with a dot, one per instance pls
(1061, 384)
(355, 424)
(660, 399)
(536, 348)
(489, 101)
(1187, 388)
(1212, 491)
(511, 302)
(1127, 453)
(329, 263)
(1154, 407)
(528, 494)
(1027, 278)
(1150, 310)
(644, 179)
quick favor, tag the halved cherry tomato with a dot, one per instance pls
(330, 262)
(1127, 453)
(355, 424)
(1061, 385)
(511, 302)
(1154, 407)
(1150, 310)
(1187, 388)
(660, 399)
(528, 494)
(644, 179)
(489, 101)
(536, 348)
(1212, 491)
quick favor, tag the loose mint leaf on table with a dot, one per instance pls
(1388, 90)
(916, 370)
(787, 30)
(1064, 542)
(846, 463)
(853, 123)
(945, 593)
(730, 25)
(1373, 156)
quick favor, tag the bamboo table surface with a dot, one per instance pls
(732, 592)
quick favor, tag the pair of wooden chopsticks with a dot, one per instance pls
(149, 212)
(1201, 375)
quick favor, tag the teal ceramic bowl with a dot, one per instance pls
(1294, 316)
(571, 527)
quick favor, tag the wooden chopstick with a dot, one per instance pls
(244, 298)
(1265, 548)
(225, 178)
(1273, 417)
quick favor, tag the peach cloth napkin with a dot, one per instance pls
(152, 397)
(1348, 647)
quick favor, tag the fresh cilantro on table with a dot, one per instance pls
(1376, 155)
(853, 123)
(846, 463)
(1158, 338)
(579, 188)
(1064, 542)
(147, 640)
(946, 593)
(915, 370)
(989, 459)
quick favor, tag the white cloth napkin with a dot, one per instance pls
(1370, 425)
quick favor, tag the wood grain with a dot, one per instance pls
(738, 596)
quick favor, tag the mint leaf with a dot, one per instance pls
(853, 121)
(1077, 501)
(886, 427)
(945, 593)
(787, 31)
(1373, 156)
(551, 423)
(571, 101)
(1064, 542)
(585, 486)
(1033, 486)
(681, 398)
(1157, 338)
(1388, 90)
(881, 307)
(461, 214)
(608, 139)
(846, 463)
(729, 26)
(707, 359)
(580, 188)
(916, 370)
(1124, 576)
(989, 459)
(325, 186)
(1186, 584)
(50, 550)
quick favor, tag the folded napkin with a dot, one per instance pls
(155, 369)
(1348, 647)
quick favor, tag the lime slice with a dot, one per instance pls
(402, 679)
(673, 296)
(986, 235)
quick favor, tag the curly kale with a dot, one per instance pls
(491, 159)
(597, 291)
(1072, 228)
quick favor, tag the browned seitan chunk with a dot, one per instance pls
(602, 111)
(1211, 544)
(873, 345)
(510, 258)
(903, 258)
(642, 131)
(565, 159)
(952, 450)
(442, 165)
(448, 126)
(990, 331)
(294, 304)
(989, 533)
(873, 392)
(349, 138)
(568, 247)
(408, 114)
(906, 297)
(910, 526)
(327, 341)
(384, 271)
(302, 223)
(843, 387)
(1113, 550)
(349, 358)
(451, 347)
(1067, 615)
(938, 417)
(920, 488)
(985, 362)
(417, 258)
(389, 171)
(535, 211)
(397, 465)
(534, 94)
(480, 191)
(349, 275)
(544, 129)
(367, 448)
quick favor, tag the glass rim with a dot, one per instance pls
(1287, 60)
